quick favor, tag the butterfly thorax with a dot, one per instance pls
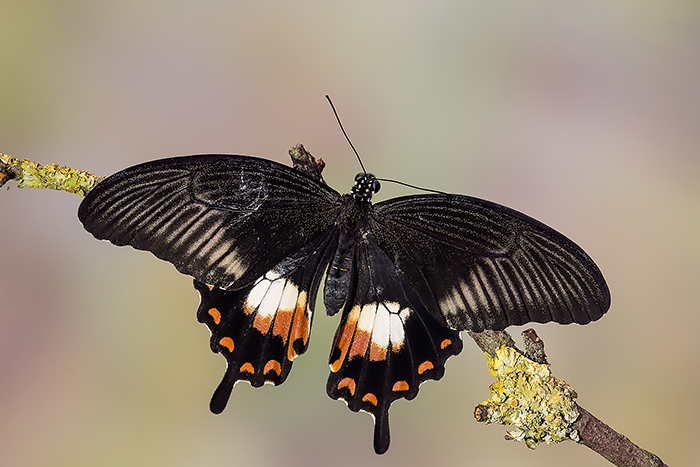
(351, 212)
(355, 205)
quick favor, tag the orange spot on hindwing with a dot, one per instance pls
(445, 344)
(262, 323)
(377, 352)
(247, 368)
(273, 365)
(215, 314)
(283, 321)
(425, 366)
(371, 398)
(344, 339)
(347, 383)
(227, 342)
(300, 327)
(359, 344)
(400, 386)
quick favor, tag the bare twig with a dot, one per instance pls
(615, 447)
(534, 346)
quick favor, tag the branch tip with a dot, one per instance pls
(534, 346)
(34, 175)
(304, 161)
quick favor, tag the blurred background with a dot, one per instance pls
(583, 114)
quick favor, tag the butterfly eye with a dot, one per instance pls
(376, 186)
(359, 176)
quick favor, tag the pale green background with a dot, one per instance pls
(584, 114)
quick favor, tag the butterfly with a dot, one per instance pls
(407, 274)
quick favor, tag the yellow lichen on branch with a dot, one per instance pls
(34, 175)
(526, 395)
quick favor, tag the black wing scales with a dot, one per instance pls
(479, 265)
(387, 344)
(262, 328)
(225, 220)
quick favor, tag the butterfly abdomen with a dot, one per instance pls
(338, 276)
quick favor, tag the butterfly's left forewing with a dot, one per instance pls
(223, 219)
(387, 344)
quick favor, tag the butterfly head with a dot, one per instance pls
(365, 186)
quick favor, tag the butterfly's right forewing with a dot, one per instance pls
(478, 265)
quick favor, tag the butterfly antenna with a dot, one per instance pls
(411, 186)
(346, 135)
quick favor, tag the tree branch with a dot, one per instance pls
(525, 394)
(542, 407)
(615, 447)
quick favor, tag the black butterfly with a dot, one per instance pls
(408, 274)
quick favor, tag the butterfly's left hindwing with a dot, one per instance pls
(262, 328)
(387, 344)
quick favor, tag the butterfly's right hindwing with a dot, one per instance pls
(387, 344)
(225, 220)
